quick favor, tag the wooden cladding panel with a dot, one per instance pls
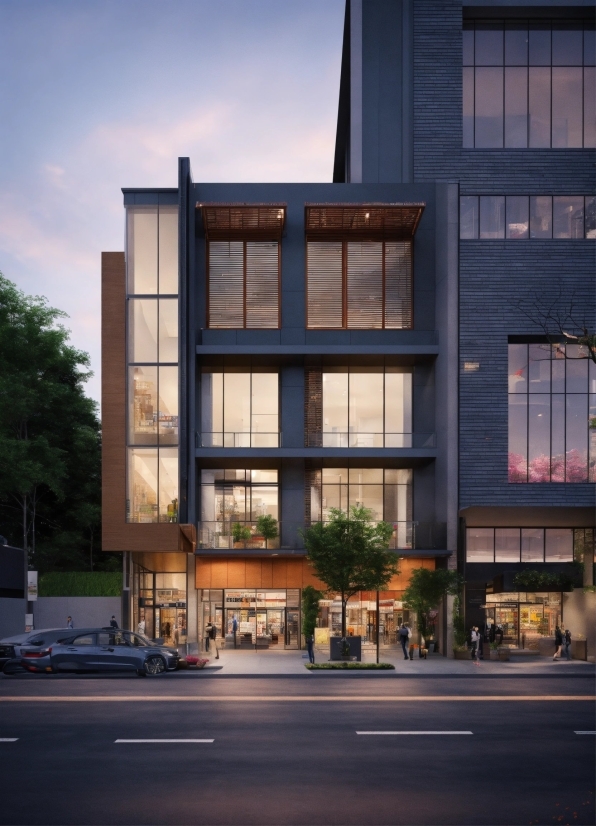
(398, 285)
(242, 221)
(325, 284)
(364, 220)
(226, 284)
(364, 285)
(262, 285)
(313, 407)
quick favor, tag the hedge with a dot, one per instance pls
(351, 666)
(80, 584)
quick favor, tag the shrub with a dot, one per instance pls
(80, 584)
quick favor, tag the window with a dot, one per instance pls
(239, 409)
(528, 84)
(523, 217)
(522, 544)
(244, 284)
(552, 414)
(362, 285)
(232, 500)
(367, 408)
(152, 348)
(86, 639)
(387, 492)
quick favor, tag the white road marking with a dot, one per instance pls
(163, 741)
(8, 739)
(414, 732)
(584, 732)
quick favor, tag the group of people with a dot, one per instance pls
(562, 643)
(70, 623)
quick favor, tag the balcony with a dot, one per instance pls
(230, 439)
(371, 440)
(224, 536)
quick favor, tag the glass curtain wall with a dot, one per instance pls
(524, 217)
(232, 501)
(552, 414)
(529, 84)
(152, 354)
(239, 409)
(521, 544)
(364, 408)
(387, 492)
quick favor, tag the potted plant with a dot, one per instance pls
(494, 651)
(240, 533)
(344, 649)
(267, 527)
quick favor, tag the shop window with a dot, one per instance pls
(528, 84)
(552, 411)
(239, 409)
(522, 544)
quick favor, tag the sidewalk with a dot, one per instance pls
(279, 663)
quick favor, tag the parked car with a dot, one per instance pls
(101, 649)
(10, 647)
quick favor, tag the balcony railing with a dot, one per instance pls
(231, 439)
(224, 536)
(384, 440)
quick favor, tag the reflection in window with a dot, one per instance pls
(239, 409)
(153, 485)
(152, 250)
(153, 410)
(367, 408)
(522, 544)
(528, 83)
(387, 492)
(552, 404)
(519, 217)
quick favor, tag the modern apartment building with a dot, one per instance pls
(276, 350)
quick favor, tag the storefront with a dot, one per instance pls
(252, 618)
(523, 617)
(361, 617)
(159, 605)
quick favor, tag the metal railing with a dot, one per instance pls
(383, 440)
(232, 439)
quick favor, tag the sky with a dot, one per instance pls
(97, 95)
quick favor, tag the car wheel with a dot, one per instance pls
(154, 665)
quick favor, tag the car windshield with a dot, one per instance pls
(137, 640)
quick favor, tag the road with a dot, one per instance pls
(285, 750)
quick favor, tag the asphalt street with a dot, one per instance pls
(459, 749)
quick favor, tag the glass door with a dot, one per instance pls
(292, 628)
(507, 617)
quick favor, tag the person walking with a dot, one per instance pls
(69, 622)
(141, 627)
(213, 638)
(113, 622)
(410, 645)
(403, 638)
(474, 639)
(567, 643)
(558, 643)
(234, 628)
(208, 628)
(310, 647)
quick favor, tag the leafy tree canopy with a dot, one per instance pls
(425, 591)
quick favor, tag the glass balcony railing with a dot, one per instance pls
(231, 439)
(238, 536)
(385, 440)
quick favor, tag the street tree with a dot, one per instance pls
(350, 553)
(425, 591)
(310, 609)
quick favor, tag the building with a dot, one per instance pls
(275, 350)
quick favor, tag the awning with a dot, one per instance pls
(243, 222)
(366, 221)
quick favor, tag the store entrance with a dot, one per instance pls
(253, 620)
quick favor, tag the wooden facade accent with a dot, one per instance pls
(313, 407)
(373, 222)
(117, 535)
(280, 573)
(255, 222)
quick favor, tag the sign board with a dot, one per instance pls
(28, 622)
(31, 585)
(321, 636)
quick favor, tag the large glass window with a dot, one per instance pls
(362, 285)
(367, 408)
(232, 500)
(552, 408)
(152, 348)
(521, 544)
(526, 84)
(387, 492)
(523, 217)
(239, 409)
(244, 284)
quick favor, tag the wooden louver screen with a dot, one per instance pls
(243, 284)
(364, 285)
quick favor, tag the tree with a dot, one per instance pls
(50, 446)
(310, 609)
(350, 553)
(563, 321)
(425, 590)
(267, 527)
(240, 533)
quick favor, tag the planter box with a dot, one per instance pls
(579, 649)
(494, 655)
(462, 655)
(504, 655)
(355, 644)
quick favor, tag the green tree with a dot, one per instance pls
(310, 609)
(425, 591)
(240, 533)
(267, 527)
(350, 553)
(50, 463)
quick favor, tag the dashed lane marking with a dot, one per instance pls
(163, 741)
(413, 732)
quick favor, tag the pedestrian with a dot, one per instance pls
(310, 647)
(141, 627)
(234, 628)
(410, 645)
(69, 622)
(208, 628)
(403, 638)
(558, 643)
(567, 643)
(474, 639)
(499, 635)
(213, 638)
(113, 622)
(481, 635)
